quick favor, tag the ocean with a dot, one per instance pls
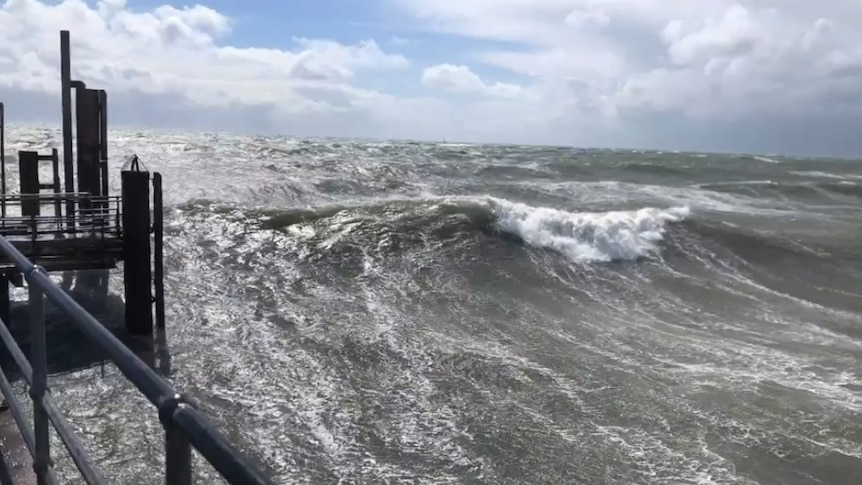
(353, 311)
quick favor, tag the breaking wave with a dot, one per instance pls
(581, 237)
(587, 236)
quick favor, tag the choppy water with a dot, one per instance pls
(429, 313)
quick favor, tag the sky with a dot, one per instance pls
(779, 76)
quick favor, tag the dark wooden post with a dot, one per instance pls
(28, 167)
(137, 272)
(89, 149)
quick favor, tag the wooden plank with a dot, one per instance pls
(69, 254)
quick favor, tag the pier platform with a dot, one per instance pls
(91, 240)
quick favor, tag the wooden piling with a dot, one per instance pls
(137, 269)
(87, 134)
(28, 172)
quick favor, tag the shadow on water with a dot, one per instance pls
(69, 350)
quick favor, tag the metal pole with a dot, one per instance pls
(178, 449)
(178, 457)
(3, 160)
(66, 93)
(39, 361)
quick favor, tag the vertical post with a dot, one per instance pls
(66, 93)
(137, 274)
(5, 300)
(55, 168)
(39, 361)
(178, 450)
(3, 160)
(178, 457)
(158, 250)
(103, 140)
(87, 132)
(28, 174)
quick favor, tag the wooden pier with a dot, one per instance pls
(70, 222)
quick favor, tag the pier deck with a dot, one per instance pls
(88, 241)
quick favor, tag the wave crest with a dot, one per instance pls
(579, 236)
(587, 236)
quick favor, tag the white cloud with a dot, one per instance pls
(709, 61)
(621, 72)
(461, 79)
(172, 51)
(395, 40)
(453, 78)
(720, 57)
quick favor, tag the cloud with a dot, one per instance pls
(169, 51)
(179, 54)
(710, 62)
(461, 79)
(395, 40)
(654, 73)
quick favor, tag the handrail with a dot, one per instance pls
(185, 427)
(63, 195)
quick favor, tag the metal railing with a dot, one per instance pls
(185, 427)
(101, 219)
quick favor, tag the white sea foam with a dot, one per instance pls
(587, 236)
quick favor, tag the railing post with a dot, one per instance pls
(178, 450)
(39, 361)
